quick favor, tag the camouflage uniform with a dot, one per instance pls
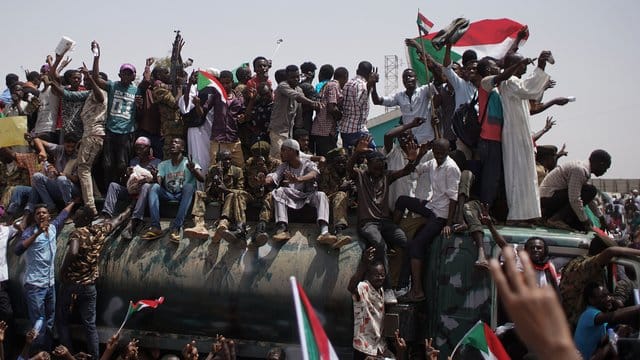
(18, 172)
(78, 286)
(255, 189)
(332, 184)
(234, 202)
(171, 125)
(575, 276)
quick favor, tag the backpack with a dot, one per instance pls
(465, 122)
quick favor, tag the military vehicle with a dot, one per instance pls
(245, 294)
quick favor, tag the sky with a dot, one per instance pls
(592, 42)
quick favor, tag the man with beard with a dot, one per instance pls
(545, 271)
(296, 178)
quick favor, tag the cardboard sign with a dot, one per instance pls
(12, 130)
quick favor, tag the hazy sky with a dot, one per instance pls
(593, 43)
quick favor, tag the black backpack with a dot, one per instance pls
(465, 123)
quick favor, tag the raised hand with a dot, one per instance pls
(61, 351)
(430, 352)
(548, 336)
(362, 145)
(417, 121)
(549, 123)
(113, 342)
(3, 329)
(149, 62)
(563, 151)
(132, 350)
(412, 151)
(374, 77)
(401, 344)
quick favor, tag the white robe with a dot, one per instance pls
(521, 181)
(198, 137)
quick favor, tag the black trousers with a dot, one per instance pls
(558, 205)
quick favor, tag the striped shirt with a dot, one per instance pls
(355, 106)
(570, 176)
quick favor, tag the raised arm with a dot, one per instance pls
(96, 66)
(547, 126)
(626, 315)
(368, 255)
(522, 34)
(540, 107)
(414, 154)
(91, 83)
(485, 219)
(398, 130)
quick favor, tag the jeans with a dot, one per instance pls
(41, 302)
(20, 197)
(380, 233)
(157, 193)
(118, 192)
(350, 140)
(86, 305)
(428, 232)
(50, 191)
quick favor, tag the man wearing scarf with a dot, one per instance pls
(544, 270)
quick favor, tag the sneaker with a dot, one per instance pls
(390, 297)
(282, 233)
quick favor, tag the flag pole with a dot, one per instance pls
(436, 129)
(298, 305)
(126, 317)
(424, 59)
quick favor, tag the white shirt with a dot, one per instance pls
(444, 184)
(47, 112)
(464, 89)
(6, 233)
(419, 105)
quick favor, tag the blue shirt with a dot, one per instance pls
(41, 255)
(6, 97)
(121, 109)
(588, 334)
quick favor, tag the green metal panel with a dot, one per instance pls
(378, 131)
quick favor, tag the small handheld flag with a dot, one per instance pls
(138, 306)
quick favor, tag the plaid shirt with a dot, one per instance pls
(325, 124)
(355, 106)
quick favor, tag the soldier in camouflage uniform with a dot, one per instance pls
(256, 169)
(16, 170)
(334, 181)
(225, 183)
(586, 269)
(79, 273)
(170, 120)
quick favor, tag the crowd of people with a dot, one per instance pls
(245, 140)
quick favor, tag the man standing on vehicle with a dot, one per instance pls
(79, 273)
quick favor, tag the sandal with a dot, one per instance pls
(152, 233)
(175, 236)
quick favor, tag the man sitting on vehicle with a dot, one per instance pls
(176, 181)
(374, 217)
(564, 192)
(297, 180)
